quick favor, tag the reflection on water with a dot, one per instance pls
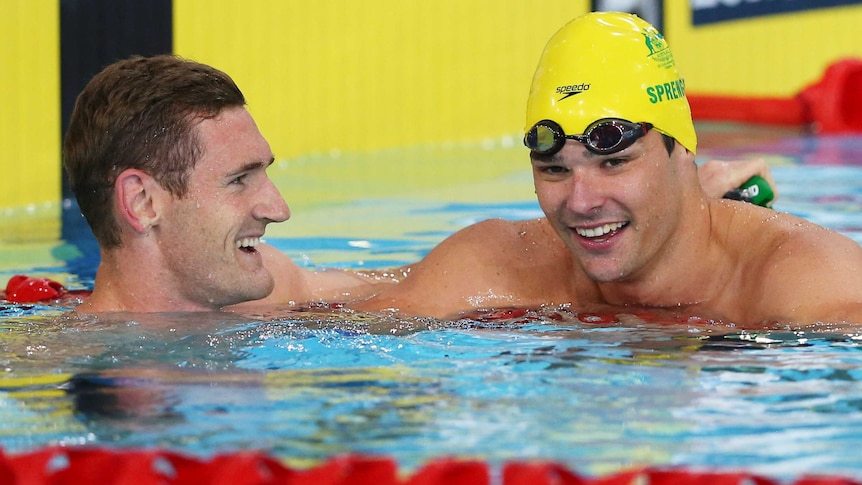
(598, 392)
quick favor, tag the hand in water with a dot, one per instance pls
(717, 177)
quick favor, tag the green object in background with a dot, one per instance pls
(755, 190)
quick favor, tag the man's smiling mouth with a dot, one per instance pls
(592, 232)
(248, 244)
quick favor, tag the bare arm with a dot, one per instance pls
(490, 264)
(464, 272)
(295, 285)
(337, 285)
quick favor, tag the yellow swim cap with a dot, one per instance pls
(610, 65)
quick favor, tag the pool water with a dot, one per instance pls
(599, 392)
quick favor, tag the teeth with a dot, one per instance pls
(599, 231)
(248, 242)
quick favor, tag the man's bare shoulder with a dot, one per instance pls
(495, 245)
(795, 244)
(809, 273)
(499, 233)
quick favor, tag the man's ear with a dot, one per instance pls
(138, 197)
(686, 154)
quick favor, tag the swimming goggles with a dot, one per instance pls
(608, 135)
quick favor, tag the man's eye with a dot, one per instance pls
(614, 162)
(239, 179)
(553, 169)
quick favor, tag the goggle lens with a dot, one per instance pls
(545, 138)
(605, 136)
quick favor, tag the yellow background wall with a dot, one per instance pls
(333, 76)
(29, 115)
(29, 103)
(774, 55)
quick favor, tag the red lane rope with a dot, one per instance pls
(84, 466)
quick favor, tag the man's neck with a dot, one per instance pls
(126, 282)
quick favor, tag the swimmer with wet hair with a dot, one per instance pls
(170, 171)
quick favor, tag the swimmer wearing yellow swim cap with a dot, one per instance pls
(606, 66)
(627, 224)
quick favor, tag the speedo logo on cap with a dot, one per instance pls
(572, 89)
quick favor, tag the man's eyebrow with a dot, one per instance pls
(251, 166)
(548, 159)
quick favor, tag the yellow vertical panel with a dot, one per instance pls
(775, 55)
(30, 114)
(338, 75)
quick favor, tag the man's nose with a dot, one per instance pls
(272, 206)
(585, 193)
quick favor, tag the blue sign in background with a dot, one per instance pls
(711, 11)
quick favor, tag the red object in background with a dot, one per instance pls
(26, 289)
(832, 105)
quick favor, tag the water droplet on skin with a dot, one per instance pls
(771, 218)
